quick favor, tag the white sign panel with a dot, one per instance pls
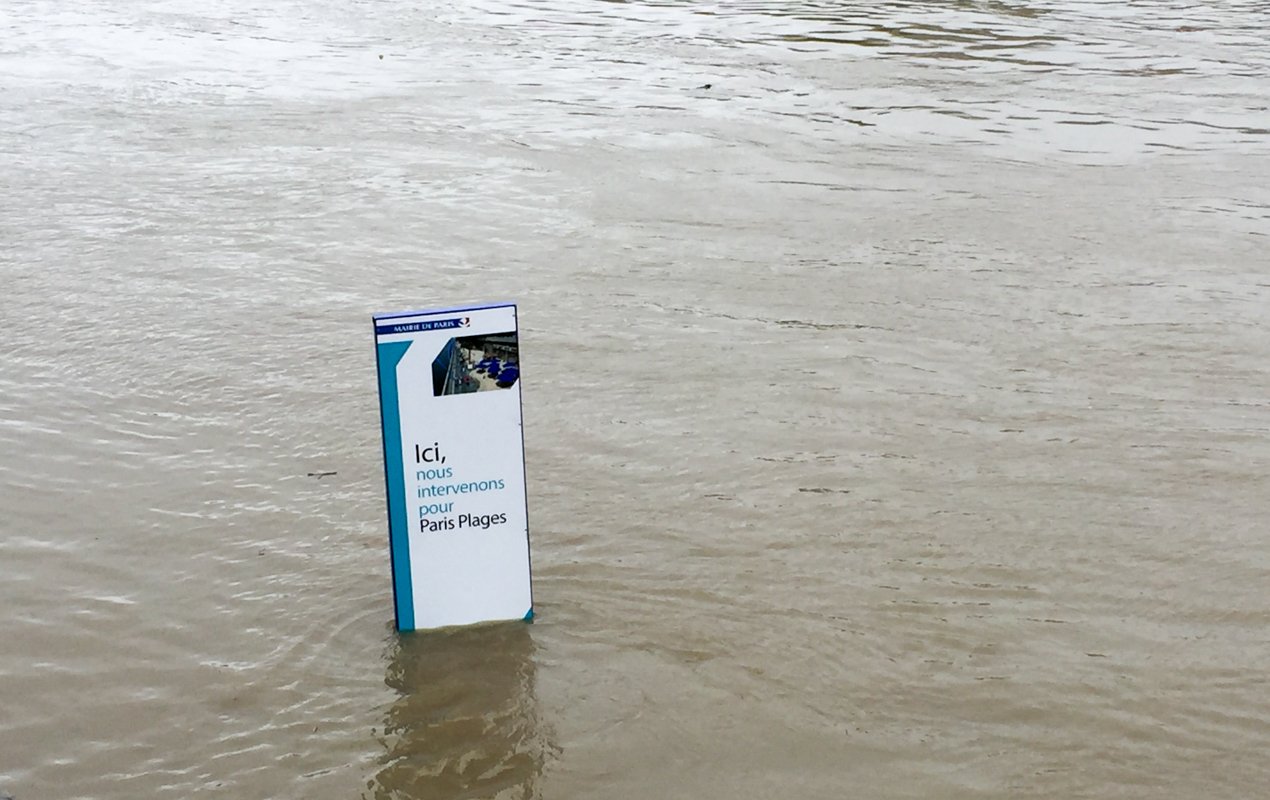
(454, 465)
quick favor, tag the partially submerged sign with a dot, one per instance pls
(449, 399)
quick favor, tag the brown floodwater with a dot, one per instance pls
(897, 411)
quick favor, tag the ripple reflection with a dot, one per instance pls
(466, 723)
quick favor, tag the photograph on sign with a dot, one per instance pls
(450, 406)
(476, 364)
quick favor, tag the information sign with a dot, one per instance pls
(449, 399)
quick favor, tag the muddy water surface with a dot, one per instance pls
(897, 416)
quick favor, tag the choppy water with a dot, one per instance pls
(897, 407)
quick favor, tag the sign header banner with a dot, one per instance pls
(454, 465)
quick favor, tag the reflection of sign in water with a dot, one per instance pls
(449, 395)
(465, 722)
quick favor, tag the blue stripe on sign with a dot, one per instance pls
(422, 325)
(423, 312)
(388, 355)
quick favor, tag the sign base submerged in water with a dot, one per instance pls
(454, 465)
